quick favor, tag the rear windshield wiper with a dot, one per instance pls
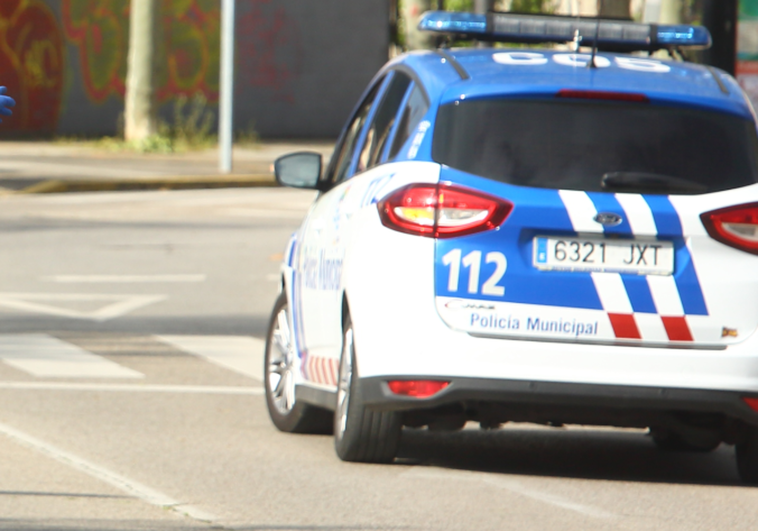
(623, 181)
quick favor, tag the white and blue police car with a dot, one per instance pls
(515, 234)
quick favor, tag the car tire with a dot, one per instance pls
(360, 434)
(747, 457)
(672, 442)
(279, 369)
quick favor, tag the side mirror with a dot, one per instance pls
(299, 170)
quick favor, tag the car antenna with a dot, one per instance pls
(594, 45)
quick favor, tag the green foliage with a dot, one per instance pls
(459, 5)
(533, 6)
(191, 128)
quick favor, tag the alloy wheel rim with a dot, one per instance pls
(346, 376)
(280, 370)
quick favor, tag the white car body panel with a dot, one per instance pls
(388, 278)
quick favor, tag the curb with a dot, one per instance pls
(57, 186)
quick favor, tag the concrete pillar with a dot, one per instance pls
(140, 114)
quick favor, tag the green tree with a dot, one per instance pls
(533, 6)
(459, 5)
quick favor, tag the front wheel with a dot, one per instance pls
(360, 434)
(280, 368)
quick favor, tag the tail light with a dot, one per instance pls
(417, 388)
(442, 211)
(735, 226)
(752, 402)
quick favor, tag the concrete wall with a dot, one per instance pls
(301, 64)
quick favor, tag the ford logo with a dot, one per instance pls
(608, 219)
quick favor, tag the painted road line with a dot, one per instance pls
(241, 354)
(122, 483)
(48, 357)
(509, 484)
(133, 388)
(120, 304)
(123, 279)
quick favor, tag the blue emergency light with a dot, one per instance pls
(615, 35)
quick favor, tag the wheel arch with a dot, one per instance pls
(345, 310)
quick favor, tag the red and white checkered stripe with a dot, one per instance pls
(322, 370)
(669, 324)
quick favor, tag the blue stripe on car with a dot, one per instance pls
(639, 293)
(608, 203)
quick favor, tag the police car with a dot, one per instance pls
(512, 234)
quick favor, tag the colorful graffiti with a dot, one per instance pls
(100, 31)
(270, 49)
(191, 44)
(32, 64)
(188, 51)
(49, 47)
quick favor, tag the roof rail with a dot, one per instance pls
(612, 35)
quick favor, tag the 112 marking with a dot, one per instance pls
(473, 261)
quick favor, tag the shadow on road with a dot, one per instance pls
(576, 453)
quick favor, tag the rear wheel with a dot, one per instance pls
(747, 457)
(361, 434)
(279, 367)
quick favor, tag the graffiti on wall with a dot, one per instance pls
(87, 43)
(270, 49)
(190, 31)
(32, 64)
(99, 29)
(188, 51)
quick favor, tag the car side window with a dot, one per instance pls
(341, 159)
(414, 111)
(380, 128)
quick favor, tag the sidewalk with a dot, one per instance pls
(49, 167)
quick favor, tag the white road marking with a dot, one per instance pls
(123, 279)
(121, 305)
(241, 354)
(122, 483)
(509, 484)
(133, 388)
(47, 357)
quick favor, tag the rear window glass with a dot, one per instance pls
(572, 145)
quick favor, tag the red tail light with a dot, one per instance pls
(735, 226)
(417, 388)
(602, 95)
(442, 211)
(752, 402)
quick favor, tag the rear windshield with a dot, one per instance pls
(575, 145)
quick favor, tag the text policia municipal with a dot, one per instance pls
(533, 324)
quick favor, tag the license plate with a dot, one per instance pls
(599, 254)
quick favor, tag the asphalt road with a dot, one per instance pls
(130, 398)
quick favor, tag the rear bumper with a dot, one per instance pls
(558, 402)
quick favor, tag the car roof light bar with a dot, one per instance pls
(616, 35)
